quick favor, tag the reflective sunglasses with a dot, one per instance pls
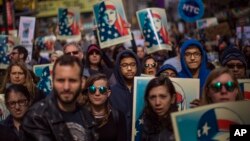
(152, 65)
(73, 53)
(216, 87)
(102, 89)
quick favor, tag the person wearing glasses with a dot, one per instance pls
(167, 70)
(111, 123)
(58, 117)
(221, 86)
(18, 73)
(94, 64)
(160, 102)
(126, 68)
(18, 53)
(235, 60)
(194, 61)
(150, 66)
(17, 101)
(74, 49)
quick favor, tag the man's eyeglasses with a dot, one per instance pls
(216, 87)
(125, 65)
(195, 54)
(166, 74)
(21, 102)
(232, 66)
(92, 89)
(148, 65)
(72, 53)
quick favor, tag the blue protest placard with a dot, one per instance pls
(211, 122)
(191, 10)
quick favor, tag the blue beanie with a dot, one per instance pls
(166, 67)
(232, 53)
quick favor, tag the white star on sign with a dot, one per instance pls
(199, 133)
(109, 32)
(205, 129)
(141, 121)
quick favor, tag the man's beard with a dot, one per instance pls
(68, 102)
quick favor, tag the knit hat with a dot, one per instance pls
(232, 53)
(166, 67)
(93, 47)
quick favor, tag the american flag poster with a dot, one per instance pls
(26, 30)
(6, 45)
(211, 122)
(111, 21)
(187, 90)
(245, 87)
(44, 72)
(69, 24)
(45, 43)
(153, 25)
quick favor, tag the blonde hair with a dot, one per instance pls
(28, 78)
(213, 75)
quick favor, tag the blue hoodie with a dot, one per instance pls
(203, 72)
(121, 97)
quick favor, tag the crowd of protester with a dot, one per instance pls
(92, 90)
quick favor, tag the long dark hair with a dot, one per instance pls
(17, 88)
(149, 114)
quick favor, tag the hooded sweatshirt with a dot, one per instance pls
(203, 72)
(121, 97)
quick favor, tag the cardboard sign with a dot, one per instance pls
(153, 25)
(211, 122)
(204, 23)
(69, 24)
(111, 21)
(187, 90)
(26, 30)
(6, 45)
(45, 74)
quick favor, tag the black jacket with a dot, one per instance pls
(44, 122)
(155, 130)
(121, 97)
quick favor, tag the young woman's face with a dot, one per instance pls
(17, 75)
(70, 19)
(160, 100)
(17, 104)
(157, 23)
(99, 95)
(110, 16)
(225, 92)
(150, 67)
(94, 57)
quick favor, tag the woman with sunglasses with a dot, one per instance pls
(150, 65)
(160, 102)
(17, 101)
(111, 124)
(221, 86)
